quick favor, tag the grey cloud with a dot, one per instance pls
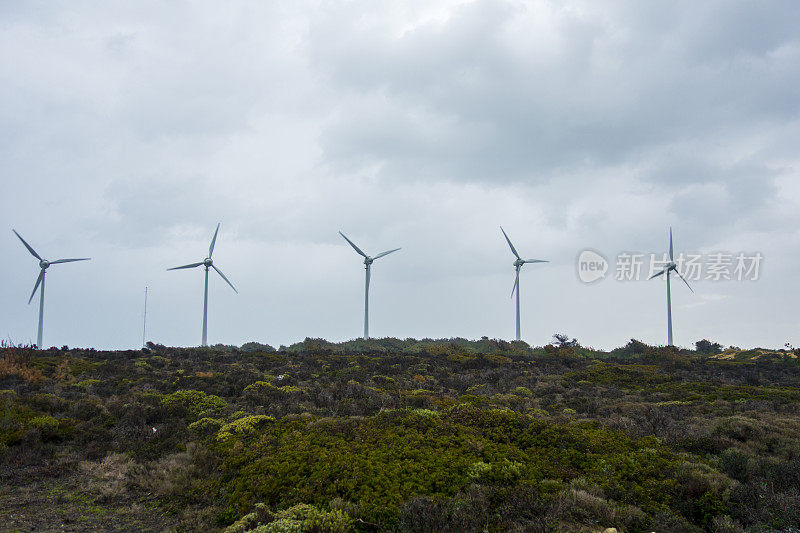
(131, 129)
(590, 98)
(143, 212)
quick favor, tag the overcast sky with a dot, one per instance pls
(129, 129)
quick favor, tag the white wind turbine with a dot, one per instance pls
(670, 267)
(43, 264)
(517, 265)
(208, 263)
(368, 263)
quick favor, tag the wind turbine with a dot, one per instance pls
(43, 264)
(671, 266)
(367, 264)
(208, 263)
(517, 265)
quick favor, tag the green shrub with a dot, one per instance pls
(281, 525)
(497, 359)
(206, 426)
(85, 384)
(384, 460)
(49, 427)
(479, 471)
(503, 472)
(242, 427)
(255, 347)
(298, 518)
(383, 381)
(44, 423)
(195, 402)
(158, 361)
(246, 523)
(143, 364)
(334, 521)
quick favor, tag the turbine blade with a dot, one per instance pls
(516, 282)
(671, 258)
(226, 279)
(69, 260)
(535, 261)
(684, 279)
(356, 248)
(186, 266)
(657, 274)
(514, 250)
(213, 242)
(385, 253)
(38, 281)
(28, 246)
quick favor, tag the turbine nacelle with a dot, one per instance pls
(368, 261)
(518, 263)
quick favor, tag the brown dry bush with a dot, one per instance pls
(111, 477)
(168, 476)
(119, 474)
(17, 363)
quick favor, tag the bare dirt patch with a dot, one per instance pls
(43, 502)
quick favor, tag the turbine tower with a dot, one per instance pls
(670, 267)
(367, 264)
(517, 265)
(43, 264)
(207, 263)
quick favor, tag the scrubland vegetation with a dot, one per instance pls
(401, 435)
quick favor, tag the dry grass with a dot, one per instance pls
(18, 364)
(118, 474)
(111, 477)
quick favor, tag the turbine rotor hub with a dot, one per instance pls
(518, 263)
(44, 263)
(208, 262)
(368, 260)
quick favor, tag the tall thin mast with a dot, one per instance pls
(144, 318)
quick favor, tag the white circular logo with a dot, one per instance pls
(591, 266)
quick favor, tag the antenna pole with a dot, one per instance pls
(144, 319)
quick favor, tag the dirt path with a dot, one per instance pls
(42, 502)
